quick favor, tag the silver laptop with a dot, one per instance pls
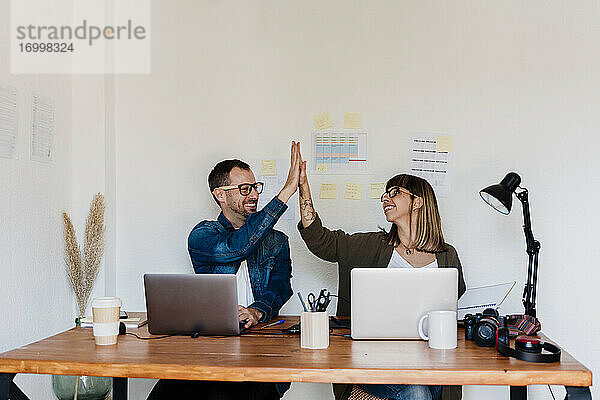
(387, 303)
(185, 304)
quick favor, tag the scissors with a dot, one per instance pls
(319, 303)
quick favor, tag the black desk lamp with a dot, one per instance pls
(500, 198)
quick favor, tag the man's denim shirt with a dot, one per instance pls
(216, 247)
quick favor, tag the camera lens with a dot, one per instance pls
(484, 333)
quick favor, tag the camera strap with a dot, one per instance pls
(520, 324)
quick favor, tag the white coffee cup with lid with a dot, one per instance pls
(105, 313)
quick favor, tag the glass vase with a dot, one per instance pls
(87, 387)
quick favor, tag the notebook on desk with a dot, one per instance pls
(387, 303)
(185, 304)
(134, 320)
(477, 299)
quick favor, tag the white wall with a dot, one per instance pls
(88, 158)
(514, 82)
(36, 300)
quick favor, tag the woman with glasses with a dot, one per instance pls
(414, 240)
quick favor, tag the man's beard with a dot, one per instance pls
(241, 210)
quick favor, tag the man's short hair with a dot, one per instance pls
(219, 176)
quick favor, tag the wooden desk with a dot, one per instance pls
(279, 358)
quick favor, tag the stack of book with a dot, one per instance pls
(133, 320)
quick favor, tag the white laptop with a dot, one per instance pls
(387, 303)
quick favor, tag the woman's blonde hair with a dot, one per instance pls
(429, 237)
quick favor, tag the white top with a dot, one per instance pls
(397, 261)
(244, 290)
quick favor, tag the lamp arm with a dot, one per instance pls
(523, 197)
(533, 249)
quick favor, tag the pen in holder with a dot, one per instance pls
(314, 331)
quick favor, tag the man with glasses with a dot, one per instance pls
(242, 241)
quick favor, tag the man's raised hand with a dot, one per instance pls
(293, 179)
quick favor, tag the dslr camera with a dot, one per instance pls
(482, 327)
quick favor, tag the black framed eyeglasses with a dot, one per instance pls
(394, 191)
(245, 188)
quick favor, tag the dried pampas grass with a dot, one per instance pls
(82, 275)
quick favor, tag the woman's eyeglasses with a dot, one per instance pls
(245, 188)
(394, 191)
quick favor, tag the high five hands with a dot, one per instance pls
(294, 175)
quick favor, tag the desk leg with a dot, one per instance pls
(518, 393)
(8, 389)
(5, 384)
(119, 388)
(578, 393)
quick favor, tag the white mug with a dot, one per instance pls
(441, 329)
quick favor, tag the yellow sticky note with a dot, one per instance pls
(268, 167)
(322, 121)
(353, 191)
(328, 191)
(322, 168)
(352, 120)
(443, 143)
(377, 190)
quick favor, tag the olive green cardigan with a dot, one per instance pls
(368, 249)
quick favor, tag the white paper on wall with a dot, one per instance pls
(425, 161)
(340, 151)
(42, 129)
(9, 127)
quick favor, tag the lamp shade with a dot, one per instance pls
(499, 196)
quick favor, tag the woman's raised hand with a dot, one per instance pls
(303, 177)
(307, 209)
